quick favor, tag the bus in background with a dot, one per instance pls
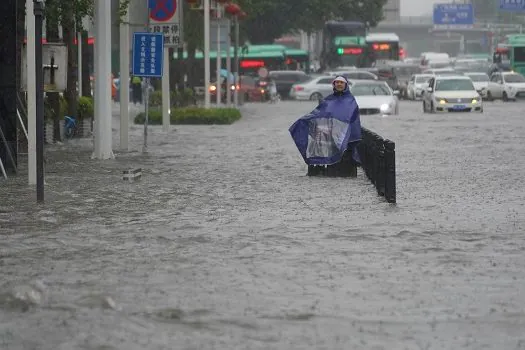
(384, 46)
(294, 59)
(343, 44)
(511, 54)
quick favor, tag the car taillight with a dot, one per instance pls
(238, 87)
(262, 91)
(299, 88)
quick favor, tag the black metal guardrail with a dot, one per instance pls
(378, 160)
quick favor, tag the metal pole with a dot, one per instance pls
(146, 119)
(39, 91)
(124, 82)
(180, 48)
(207, 53)
(218, 56)
(228, 65)
(31, 90)
(236, 55)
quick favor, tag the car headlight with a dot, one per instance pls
(384, 108)
(475, 100)
(442, 101)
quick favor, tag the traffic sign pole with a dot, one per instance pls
(148, 57)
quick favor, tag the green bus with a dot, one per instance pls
(294, 59)
(512, 52)
(344, 44)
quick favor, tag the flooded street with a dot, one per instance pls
(226, 244)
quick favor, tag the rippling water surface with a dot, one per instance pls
(226, 244)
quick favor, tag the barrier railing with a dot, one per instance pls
(378, 160)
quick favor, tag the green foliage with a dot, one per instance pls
(49, 113)
(86, 108)
(270, 19)
(58, 10)
(193, 115)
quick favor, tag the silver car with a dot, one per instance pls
(314, 89)
(375, 97)
(417, 85)
(481, 82)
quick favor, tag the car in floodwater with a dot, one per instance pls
(451, 94)
(374, 97)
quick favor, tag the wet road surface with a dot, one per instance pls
(226, 244)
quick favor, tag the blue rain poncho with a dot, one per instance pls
(323, 135)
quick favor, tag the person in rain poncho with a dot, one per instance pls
(324, 135)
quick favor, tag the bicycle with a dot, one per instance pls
(70, 127)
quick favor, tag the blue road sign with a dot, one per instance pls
(453, 15)
(512, 5)
(148, 54)
(162, 10)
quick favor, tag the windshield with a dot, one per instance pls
(514, 78)
(370, 90)
(422, 79)
(454, 85)
(478, 77)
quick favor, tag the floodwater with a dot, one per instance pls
(226, 244)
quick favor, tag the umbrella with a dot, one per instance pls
(226, 74)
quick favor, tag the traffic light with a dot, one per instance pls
(340, 51)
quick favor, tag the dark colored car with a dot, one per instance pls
(285, 79)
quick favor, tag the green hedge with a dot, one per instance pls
(193, 115)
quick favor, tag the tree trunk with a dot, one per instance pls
(53, 98)
(87, 59)
(71, 93)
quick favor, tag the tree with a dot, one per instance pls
(270, 19)
(59, 12)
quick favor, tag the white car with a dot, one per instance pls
(480, 81)
(451, 94)
(314, 89)
(506, 86)
(440, 71)
(374, 97)
(417, 85)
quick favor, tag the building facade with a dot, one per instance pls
(392, 11)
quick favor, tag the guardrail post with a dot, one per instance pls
(390, 173)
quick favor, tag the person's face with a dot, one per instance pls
(339, 85)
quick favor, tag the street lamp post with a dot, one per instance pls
(39, 91)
